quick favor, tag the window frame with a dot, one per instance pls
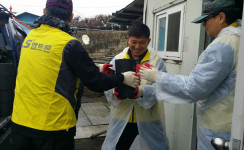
(165, 13)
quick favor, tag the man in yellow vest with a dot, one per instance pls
(52, 65)
(212, 82)
(141, 115)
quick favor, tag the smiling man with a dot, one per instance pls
(137, 45)
(141, 114)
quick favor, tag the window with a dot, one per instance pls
(169, 32)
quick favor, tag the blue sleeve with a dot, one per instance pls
(214, 66)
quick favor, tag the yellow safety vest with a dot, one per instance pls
(36, 104)
(146, 58)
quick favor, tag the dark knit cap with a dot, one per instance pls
(67, 4)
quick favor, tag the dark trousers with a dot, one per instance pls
(128, 136)
(20, 142)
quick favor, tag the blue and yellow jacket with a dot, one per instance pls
(51, 65)
(144, 58)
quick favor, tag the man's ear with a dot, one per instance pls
(127, 38)
(149, 40)
(44, 11)
(71, 18)
(222, 18)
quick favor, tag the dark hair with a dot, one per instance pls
(59, 12)
(231, 13)
(138, 30)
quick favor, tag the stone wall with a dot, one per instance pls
(104, 44)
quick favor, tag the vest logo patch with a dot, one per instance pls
(37, 46)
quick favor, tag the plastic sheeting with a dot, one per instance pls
(211, 84)
(149, 114)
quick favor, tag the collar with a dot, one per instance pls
(144, 57)
(234, 28)
(234, 24)
(52, 21)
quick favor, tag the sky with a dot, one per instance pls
(82, 8)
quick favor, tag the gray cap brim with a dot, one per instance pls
(200, 19)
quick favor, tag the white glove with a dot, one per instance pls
(130, 79)
(140, 90)
(149, 74)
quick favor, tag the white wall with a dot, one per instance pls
(179, 118)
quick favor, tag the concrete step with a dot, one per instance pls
(92, 125)
(92, 119)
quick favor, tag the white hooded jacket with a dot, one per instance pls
(150, 117)
(211, 84)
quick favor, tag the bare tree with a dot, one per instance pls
(98, 22)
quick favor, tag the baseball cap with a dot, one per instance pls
(212, 6)
(67, 4)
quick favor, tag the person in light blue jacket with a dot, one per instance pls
(212, 82)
